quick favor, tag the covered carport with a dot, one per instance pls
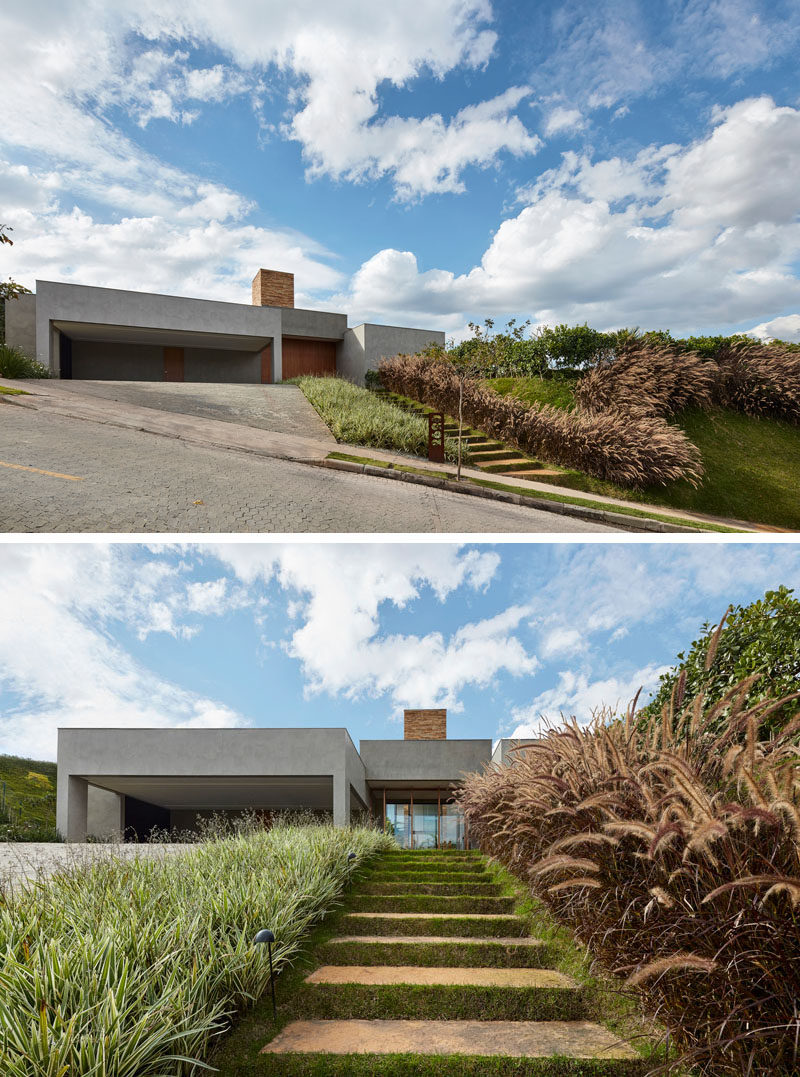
(100, 352)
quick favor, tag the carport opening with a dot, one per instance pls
(94, 352)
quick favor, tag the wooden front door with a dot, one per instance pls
(173, 364)
(303, 356)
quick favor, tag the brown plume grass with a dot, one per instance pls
(629, 450)
(655, 378)
(648, 379)
(676, 861)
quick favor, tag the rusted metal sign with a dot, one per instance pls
(436, 436)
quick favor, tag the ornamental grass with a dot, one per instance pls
(675, 860)
(132, 969)
(624, 449)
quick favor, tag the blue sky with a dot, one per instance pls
(612, 161)
(348, 634)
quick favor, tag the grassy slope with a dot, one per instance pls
(36, 800)
(752, 465)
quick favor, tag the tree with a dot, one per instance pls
(762, 638)
(9, 289)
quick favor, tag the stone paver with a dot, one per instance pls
(281, 408)
(431, 975)
(21, 862)
(138, 482)
(516, 1039)
(438, 940)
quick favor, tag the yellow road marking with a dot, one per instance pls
(41, 471)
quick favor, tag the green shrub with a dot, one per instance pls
(14, 363)
(762, 640)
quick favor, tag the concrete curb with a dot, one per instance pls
(616, 519)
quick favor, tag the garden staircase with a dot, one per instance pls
(435, 973)
(487, 455)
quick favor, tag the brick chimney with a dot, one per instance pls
(425, 725)
(271, 288)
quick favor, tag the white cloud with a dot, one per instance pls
(576, 695)
(563, 119)
(786, 327)
(562, 640)
(701, 236)
(333, 60)
(341, 645)
(61, 662)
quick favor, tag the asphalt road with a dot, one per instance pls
(64, 474)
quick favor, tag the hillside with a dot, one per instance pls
(752, 465)
(27, 799)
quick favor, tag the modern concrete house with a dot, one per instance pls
(127, 781)
(106, 333)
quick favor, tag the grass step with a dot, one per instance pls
(441, 976)
(458, 950)
(410, 902)
(492, 456)
(432, 854)
(417, 923)
(427, 875)
(452, 1002)
(472, 888)
(509, 1039)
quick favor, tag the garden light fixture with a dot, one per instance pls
(266, 936)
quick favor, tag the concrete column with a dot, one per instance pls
(341, 800)
(77, 809)
(277, 359)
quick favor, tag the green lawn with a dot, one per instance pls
(752, 465)
(6, 390)
(30, 798)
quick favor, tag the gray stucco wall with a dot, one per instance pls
(423, 760)
(104, 814)
(324, 324)
(365, 345)
(96, 359)
(21, 323)
(87, 753)
(112, 306)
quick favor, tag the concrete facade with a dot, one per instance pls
(117, 781)
(79, 331)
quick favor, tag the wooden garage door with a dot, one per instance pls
(302, 356)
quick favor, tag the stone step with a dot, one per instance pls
(515, 1039)
(510, 466)
(440, 976)
(461, 950)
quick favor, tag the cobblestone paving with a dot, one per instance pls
(281, 408)
(138, 482)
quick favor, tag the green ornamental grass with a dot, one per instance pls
(133, 968)
(358, 417)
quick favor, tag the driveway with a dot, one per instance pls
(281, 409)
(63, 473)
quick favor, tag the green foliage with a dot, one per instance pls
(562, 349)
(27, 800)
(358, 417)
(135, 967)
(14, 363)
(761, 639)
